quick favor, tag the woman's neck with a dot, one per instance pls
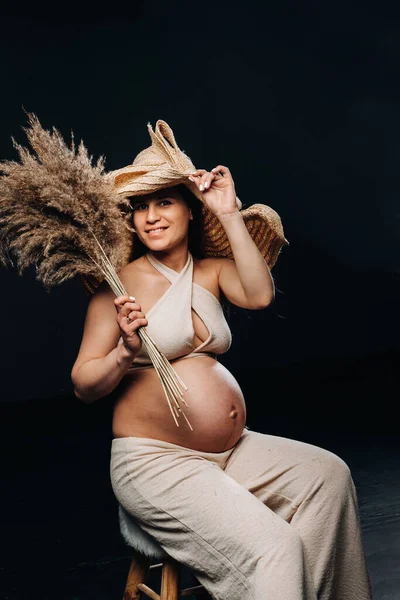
(175, 260)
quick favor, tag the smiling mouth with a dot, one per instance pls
(159, 230)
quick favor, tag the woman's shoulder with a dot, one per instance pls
(206, 273)
(211, 265)
(127, 273)
(136, 269)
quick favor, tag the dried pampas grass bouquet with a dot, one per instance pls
(60, 213)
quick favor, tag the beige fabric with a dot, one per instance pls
(270, 519)
(170, 322)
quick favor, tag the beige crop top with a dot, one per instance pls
(170, 323)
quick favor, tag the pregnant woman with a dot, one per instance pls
(254, 516)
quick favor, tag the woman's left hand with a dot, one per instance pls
(218, 190)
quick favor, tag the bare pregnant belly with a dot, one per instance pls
(216, 408)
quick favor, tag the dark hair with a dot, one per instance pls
(196, 240)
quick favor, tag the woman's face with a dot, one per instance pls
(165, 210)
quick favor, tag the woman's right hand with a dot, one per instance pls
(130, 318)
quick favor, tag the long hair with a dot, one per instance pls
(196, 239)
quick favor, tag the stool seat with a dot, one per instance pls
(137, 538)
(145, 550)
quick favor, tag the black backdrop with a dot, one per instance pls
(300, 100)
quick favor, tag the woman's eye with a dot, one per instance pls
(140, 206)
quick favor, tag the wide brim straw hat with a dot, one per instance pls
(164, 164)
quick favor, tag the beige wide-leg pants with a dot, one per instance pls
(270, 519)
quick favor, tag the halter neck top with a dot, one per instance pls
(170, 323)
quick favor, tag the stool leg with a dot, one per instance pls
(137, 574)
(170, 580)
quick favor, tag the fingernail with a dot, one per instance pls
(201, 188)
(131, 298)
(191, 178)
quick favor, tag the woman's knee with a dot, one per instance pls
(272, 541)
(292, 544)
(287, 549)
(335, 472)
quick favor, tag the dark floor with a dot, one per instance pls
(59, 524)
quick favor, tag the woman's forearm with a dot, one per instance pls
(253, 270)
(98, 377)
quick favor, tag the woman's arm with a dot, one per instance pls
(246, 281)
(101, 363)
(98, 377)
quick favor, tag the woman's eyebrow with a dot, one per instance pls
(145, 200)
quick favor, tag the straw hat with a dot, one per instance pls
(164, 164)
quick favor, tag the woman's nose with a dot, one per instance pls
(152, 214)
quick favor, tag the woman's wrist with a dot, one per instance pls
(226, 217)
(125, 356)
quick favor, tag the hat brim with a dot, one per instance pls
(263, 224)
(132, 181)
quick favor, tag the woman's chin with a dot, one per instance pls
(157, 243)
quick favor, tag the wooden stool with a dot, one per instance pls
(146, 551)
